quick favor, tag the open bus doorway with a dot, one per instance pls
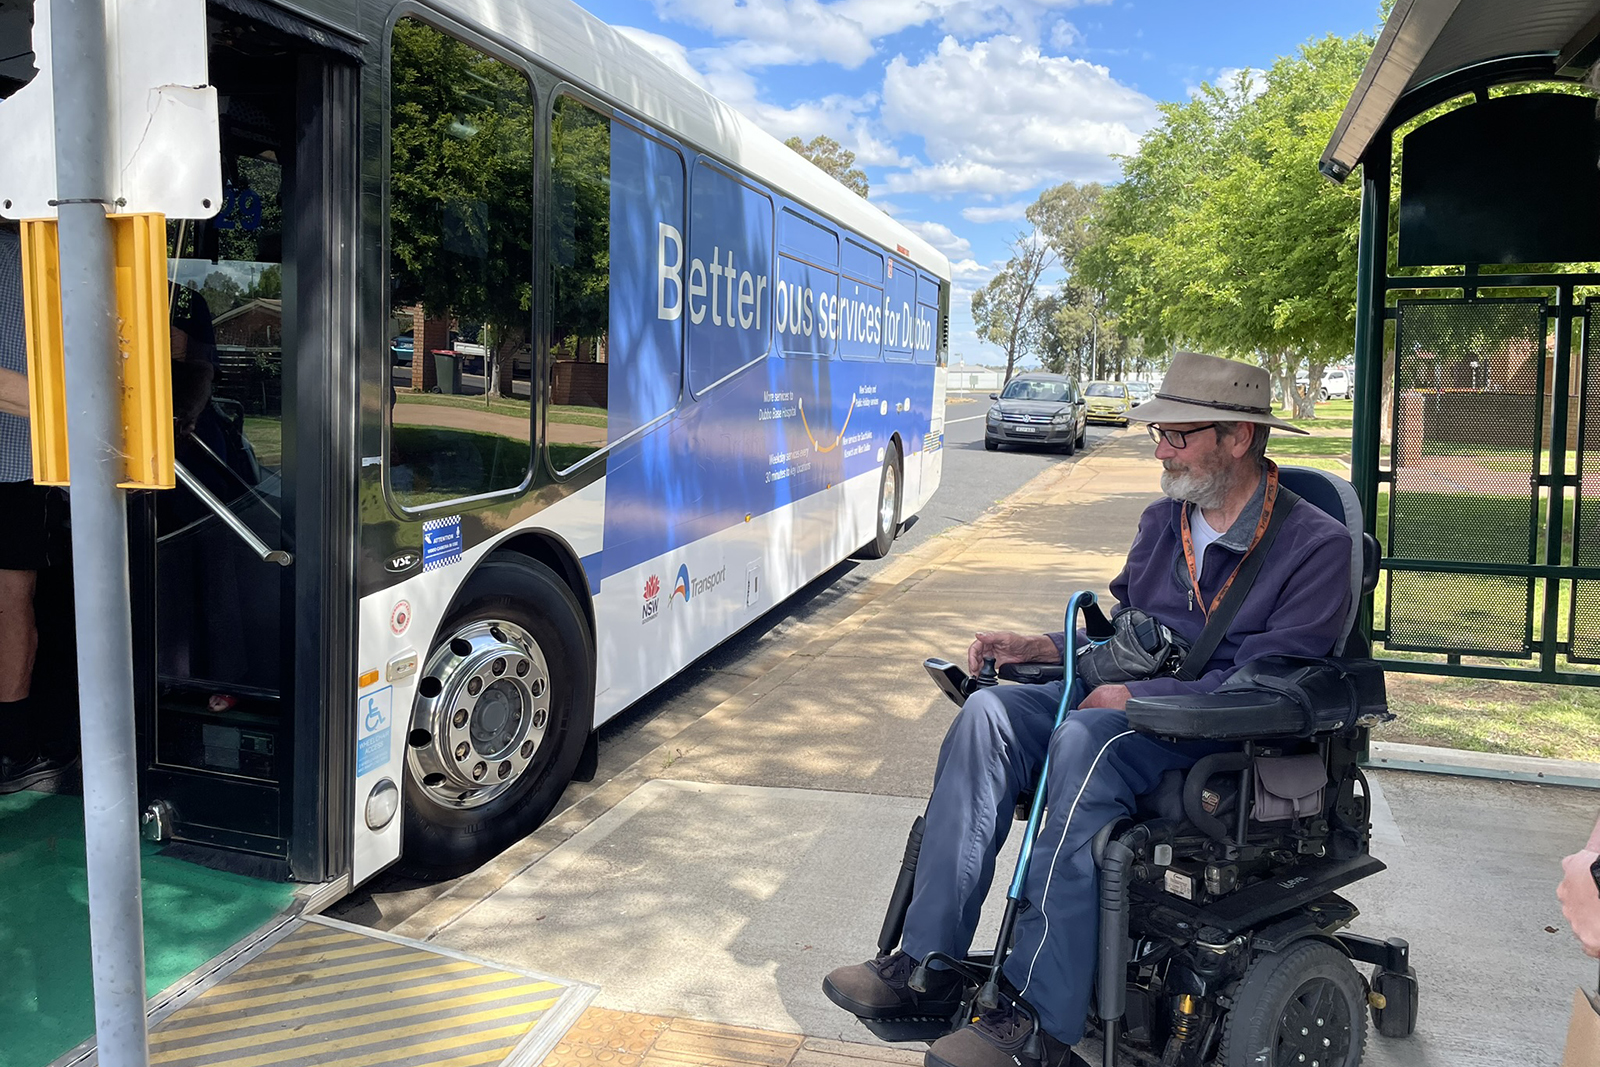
(239, 765)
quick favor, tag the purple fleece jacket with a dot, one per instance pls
(1296, 607)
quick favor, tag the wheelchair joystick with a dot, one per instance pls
(987, 675)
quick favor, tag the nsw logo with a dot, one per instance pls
(652, 598)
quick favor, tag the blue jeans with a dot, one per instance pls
(993, 751)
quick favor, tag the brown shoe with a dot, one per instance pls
(999, 1038)
(881, 989)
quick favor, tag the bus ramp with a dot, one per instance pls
(323, 993)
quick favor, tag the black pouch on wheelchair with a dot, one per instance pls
(1288, 787)
(1140, 647)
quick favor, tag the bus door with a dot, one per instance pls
(240, 592)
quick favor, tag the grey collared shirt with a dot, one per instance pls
(16, 450)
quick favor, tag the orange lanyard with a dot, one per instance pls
(1261, 528)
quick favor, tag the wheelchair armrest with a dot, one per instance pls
(1216, 716)
(1033, 673)
(1276, 696)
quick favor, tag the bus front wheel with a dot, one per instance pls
(888, 512)
(502, 714)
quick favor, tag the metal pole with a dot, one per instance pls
(1372, 264)
(85, 187)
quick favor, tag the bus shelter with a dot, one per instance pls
(1476, 443)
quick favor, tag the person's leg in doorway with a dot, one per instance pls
(24, 551)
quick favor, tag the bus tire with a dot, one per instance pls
(888, 509)
(503, 711)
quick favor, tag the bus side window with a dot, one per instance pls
(580, 383)
(861, 295)
(729, 290)
(461, 194)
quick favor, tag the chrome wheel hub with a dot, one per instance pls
(483, 707)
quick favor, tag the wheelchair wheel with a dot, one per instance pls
(1398, 1016)
(1300, 1006)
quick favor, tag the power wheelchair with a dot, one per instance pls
(1223, 940)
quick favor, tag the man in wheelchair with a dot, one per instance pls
(1232, 586)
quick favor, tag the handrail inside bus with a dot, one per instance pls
(232, 521)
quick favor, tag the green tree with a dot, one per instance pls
(834, 160)
(580, 240)
(1223, 234)
(268, 285)
(461, 185)
(1064, 215)
(1009, 311)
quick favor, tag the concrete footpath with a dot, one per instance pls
(708, 888)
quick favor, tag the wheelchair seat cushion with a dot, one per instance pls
(1275, 696)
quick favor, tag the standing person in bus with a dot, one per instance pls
(31, 750)
(1210, 422)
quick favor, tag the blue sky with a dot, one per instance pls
(962, 111)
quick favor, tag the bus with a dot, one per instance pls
(406, 575)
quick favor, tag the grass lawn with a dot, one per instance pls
(1329, 445)
(431, 465)
(1519, 718)
(266, 437)
(518, 409)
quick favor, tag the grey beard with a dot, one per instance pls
(1203, 492)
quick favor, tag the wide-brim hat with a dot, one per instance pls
(1202, 388)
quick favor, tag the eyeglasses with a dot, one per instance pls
(1177, 438)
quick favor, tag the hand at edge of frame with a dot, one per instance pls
(1580, 900)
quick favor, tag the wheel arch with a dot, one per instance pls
(555, 553)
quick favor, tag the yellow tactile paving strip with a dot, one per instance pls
(605, 1038)
(331, 996)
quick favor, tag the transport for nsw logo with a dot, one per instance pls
(652, 597)
(687, 587)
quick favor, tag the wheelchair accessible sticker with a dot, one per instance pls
(441, 542)
(375, 713)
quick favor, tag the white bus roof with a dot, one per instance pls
(567, 39)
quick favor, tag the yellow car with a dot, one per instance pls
(1109, 402)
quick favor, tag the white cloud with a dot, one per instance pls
(1036, 118)
(1010, 212)
(1064, 35)
(776, 32)
(847, 119)
(941, 237)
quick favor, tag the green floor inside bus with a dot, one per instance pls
(191, 914)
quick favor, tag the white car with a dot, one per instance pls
(1338, 383)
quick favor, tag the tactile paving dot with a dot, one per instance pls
(602, 1036)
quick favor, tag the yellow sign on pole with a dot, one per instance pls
(145, 356)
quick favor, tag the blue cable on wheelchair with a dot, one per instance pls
(989, 994)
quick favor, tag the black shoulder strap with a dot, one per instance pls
(1194, 663)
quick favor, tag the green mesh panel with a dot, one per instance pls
(1468, 414)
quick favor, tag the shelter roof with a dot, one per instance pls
(1425, 41)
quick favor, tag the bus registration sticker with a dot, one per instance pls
(441, 542)
(376, 712)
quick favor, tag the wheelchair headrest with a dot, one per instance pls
(1337, 497)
